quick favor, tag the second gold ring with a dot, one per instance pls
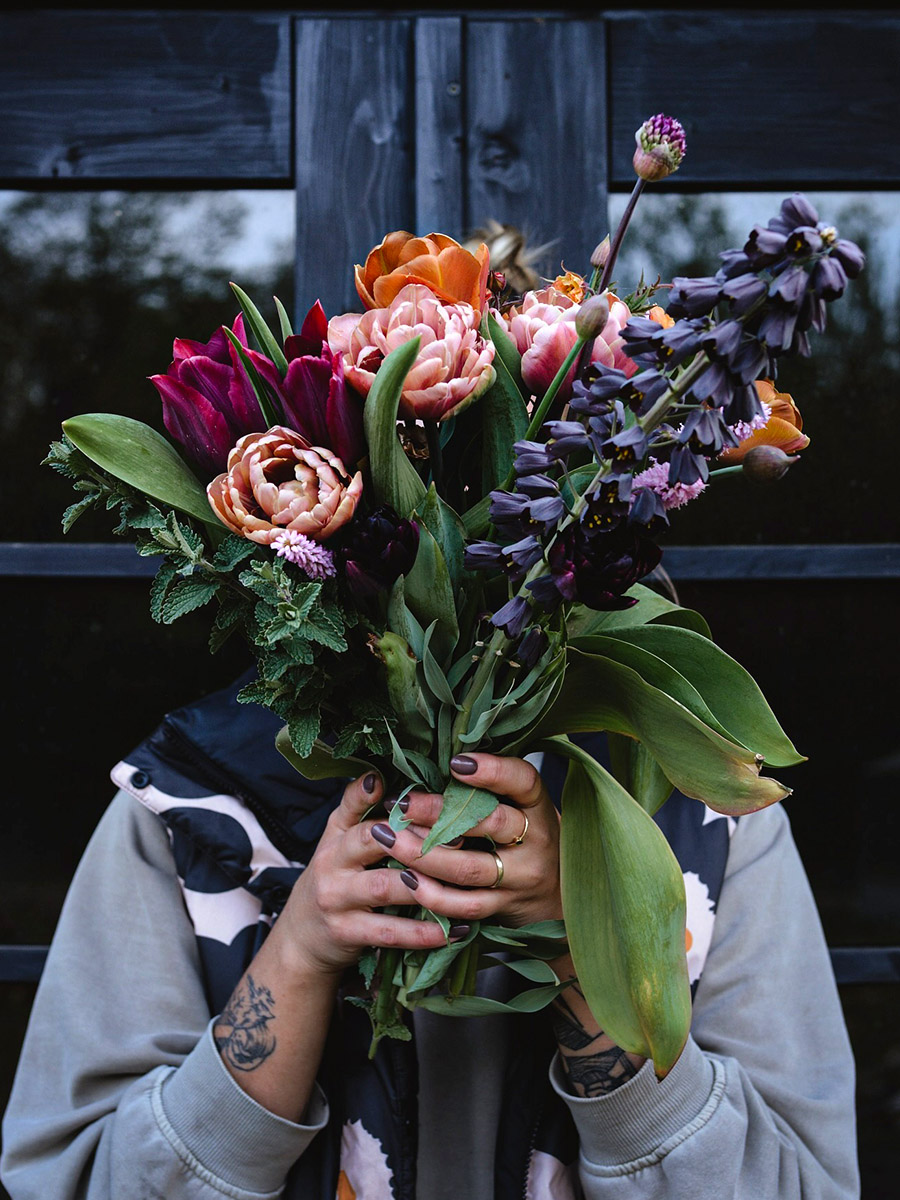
(499, 861)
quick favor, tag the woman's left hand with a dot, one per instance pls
(462, 883)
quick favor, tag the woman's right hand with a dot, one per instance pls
(329, 917)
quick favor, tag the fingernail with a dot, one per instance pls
(384, 834)
(461, 764)
(389, 802)
(403, 804)
(458, 932)
(458, 841)
(369, 782)
(410, 879)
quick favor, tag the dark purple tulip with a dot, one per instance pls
(207, 399)
(607, 566)
(316, 399)
(376, 551)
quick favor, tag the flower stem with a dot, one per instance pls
(435, 456)
(733, 470)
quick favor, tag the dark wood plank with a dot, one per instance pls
(778, 99)
(353, 159)
(103, 96)
(439, 127)
(536, 109)
(96, 560)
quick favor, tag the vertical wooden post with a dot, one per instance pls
(439, 128)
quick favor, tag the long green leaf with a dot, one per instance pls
(402, 621)
(507, 352)
(638, 772)
(477, 519)
(651, 606)
(260, 389)
(260, 330)
(283, 319)
(624, 905)
(142, 458)
(464, 806)
(429, 594)
(447, 529)
(320, 763)
(731, 693)
(598, 693)
(532, 1000)
(394, 478)
(504, 416)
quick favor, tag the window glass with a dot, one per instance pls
(96, 287)
(842, 489)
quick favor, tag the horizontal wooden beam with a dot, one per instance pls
(118, 560)
(194, 96)
(766, 98)
(852, 964)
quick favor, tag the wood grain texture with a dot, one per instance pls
(536, 104)
(791, 99)
(439, 133)
(99, 96)
(353, 158)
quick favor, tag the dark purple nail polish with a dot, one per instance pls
(369, 783)
(461, 764)
(458, 932)
(384, 834)
(403, 804)
(389, 802)
(456, 842)
(410, 879)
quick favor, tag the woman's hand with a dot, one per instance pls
(329, 917)
(462, 883)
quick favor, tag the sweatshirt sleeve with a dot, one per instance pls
(120, 1092)
(760, 1103)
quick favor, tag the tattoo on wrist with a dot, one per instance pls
(590, 1072)
(241, 1032)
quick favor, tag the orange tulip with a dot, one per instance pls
(783, 429)
(437, 261)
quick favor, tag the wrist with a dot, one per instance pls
(299, 968)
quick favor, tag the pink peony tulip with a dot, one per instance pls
(454, 363)
(277, 481)
(543, 328)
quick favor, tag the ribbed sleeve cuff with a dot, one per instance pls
(641, 1121)
(225, 1132)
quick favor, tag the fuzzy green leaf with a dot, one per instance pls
(162, 580)
(185, 596)
(142, 458)
(394, 478)
(464, 806)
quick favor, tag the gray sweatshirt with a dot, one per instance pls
(121, 1094)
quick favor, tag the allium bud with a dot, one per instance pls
(766, 464)
(601, 254)
(660, 148)
(592, 317)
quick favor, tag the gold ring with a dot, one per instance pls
(499, 861)
(520, 839)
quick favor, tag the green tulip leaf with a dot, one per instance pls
(403, 689)
(447, 529)
(731, 693)
(464, 806)
(260, 330)
(142, 458)
(507, 353)
(624, 905)
(504, 415)
(402, 621)
(267, 406)
(284, 320)
(650, 607)
(477, 519)
(638, 772)
(394, 478)
(598, 693)
(429, 594)
(320, 763)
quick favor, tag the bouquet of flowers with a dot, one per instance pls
(429, 521)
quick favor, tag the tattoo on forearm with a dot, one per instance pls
(241, 1032)
(600, 1070)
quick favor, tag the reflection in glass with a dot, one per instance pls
(842, 490)
(96, 287)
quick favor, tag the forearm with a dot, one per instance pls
(272, 1032)
(592, 1062)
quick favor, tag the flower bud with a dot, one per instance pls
(600, 255)
(592, 317)
(660, 148)
(766, 464)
